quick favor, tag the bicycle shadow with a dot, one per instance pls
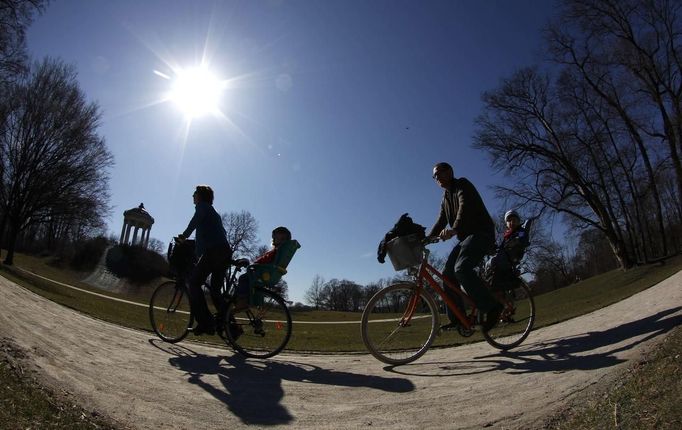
(561, 354)
(252, 389)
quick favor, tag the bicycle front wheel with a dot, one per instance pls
(263, 329)
(516, 320)
(169, 312)
(400, 323)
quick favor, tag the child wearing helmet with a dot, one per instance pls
(280, 235)
(511, 250)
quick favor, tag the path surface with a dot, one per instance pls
(146, 384)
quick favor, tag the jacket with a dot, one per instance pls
(515, 243)
(209, 227)
(463, 209)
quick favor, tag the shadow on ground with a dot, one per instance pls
(252, 389)
(587, 351)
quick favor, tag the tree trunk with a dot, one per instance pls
(13, 233)
(619, 251)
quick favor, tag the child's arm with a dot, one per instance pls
(266, 258)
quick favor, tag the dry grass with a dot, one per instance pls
(646, 396)
(27, 404)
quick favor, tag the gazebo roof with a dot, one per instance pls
(139, 214)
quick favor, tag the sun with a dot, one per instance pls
(197, 92)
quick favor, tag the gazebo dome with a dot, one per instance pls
(137, 218)
(139, 215)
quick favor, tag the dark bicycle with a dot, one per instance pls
(260, 331)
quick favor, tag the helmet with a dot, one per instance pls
(511, 213)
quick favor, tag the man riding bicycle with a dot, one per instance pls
(214, 255)
(463, 210)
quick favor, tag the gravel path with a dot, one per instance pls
(145, 384)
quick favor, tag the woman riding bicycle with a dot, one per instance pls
(214, 255)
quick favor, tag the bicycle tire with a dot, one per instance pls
(261, 331)
(169, 312)
(383, 333)
(517, 318)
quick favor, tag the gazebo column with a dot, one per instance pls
(146, 239)
(135, 235)
(125, 241)
(123, 232)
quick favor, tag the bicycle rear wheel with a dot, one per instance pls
(400, 323)
(262, 330)
(516, 320)
(169, 312)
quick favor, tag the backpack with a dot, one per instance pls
(404, 227)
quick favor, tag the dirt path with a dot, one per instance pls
(143, 383)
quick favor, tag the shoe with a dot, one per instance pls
(241, 303)
(219, 323)
(492, 317)
(201, 329)
(450, 326)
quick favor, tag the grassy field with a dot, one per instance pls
(647, 396)
(552, 307)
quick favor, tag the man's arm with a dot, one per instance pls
(462, 201)
(441, 222)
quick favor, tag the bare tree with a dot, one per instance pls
(533, 136)
(630, 54)
(15, 17)
(242, 229)
(52, 161)
(156, 245)
(314, 294)
(261, 250)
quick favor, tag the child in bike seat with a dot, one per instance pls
(510, 252)
(258, 269)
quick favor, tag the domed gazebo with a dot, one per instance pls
(138, 218)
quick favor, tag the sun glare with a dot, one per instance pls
(197, 92)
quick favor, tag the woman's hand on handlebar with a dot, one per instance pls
(431, 239)
(241, 262)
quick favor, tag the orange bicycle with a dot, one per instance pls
(401, 321)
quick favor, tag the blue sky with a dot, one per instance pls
(335, 113)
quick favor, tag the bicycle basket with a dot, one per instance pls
(181, 256)
(405, 251)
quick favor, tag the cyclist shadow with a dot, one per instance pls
(586, 351)
(573, 353)
(252, 389)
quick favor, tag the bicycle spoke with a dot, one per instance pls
(261, 331)
(416, 316)
(169, 312)
(520, 310)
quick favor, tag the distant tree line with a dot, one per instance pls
(341, 294)
(347, 296)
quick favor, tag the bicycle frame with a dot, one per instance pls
(428, 273)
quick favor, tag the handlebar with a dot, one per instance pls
(241, 262)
